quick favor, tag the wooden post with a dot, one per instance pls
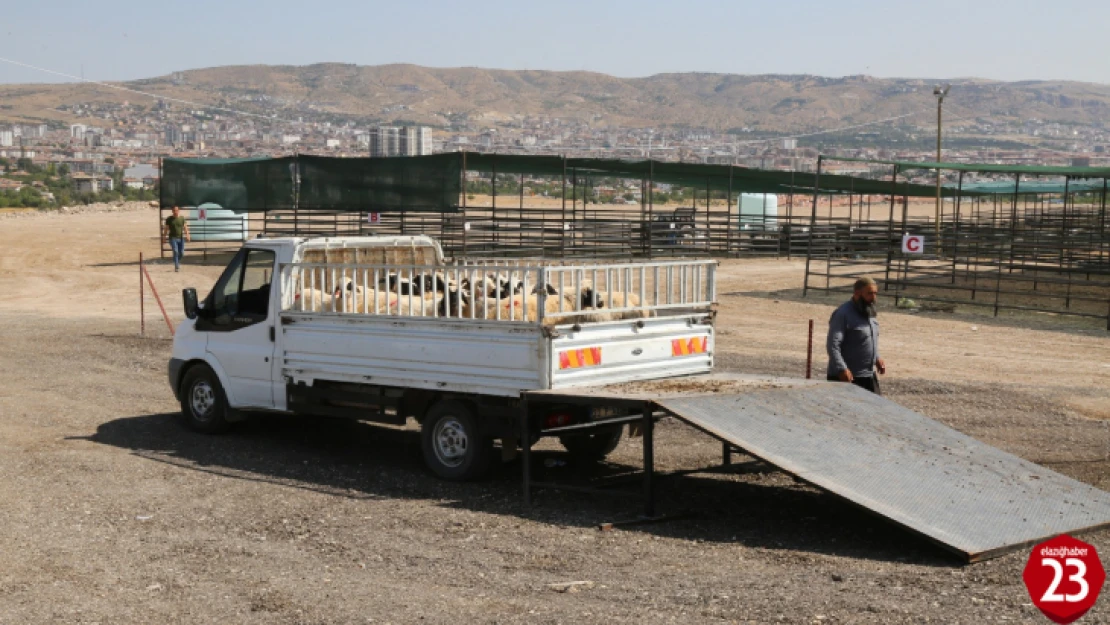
(161, 205)
(651, 207)
(708, 218)
(809, 352)
(493, 198)
(563, 214)
(728, 215)
(790, 215)
(520, 215)
(812, 225)
(153, 290)
(956, 226)
(890, 227)
(142, 304)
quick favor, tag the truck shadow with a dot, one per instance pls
(355, 460)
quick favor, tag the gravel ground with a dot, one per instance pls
(113, 513)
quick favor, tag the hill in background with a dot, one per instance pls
(439, 97)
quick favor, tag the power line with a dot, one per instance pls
(145, 93)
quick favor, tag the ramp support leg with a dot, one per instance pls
(526, 452)
(649, 461)
(726, 454)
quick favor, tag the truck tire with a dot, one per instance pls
(592, 447)
(455, 448)
(203, 402)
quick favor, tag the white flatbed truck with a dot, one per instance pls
(358, 327)
(349, 327)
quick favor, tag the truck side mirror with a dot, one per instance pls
(189, 297)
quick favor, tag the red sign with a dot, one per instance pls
(1064, 577)
(373, 218)
(913, 244)
(202, 214)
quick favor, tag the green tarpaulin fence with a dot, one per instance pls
(423, 183)
(240, 184)
(394, 184)
(696, 175)
(434, 183)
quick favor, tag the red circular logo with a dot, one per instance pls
(1064, 577)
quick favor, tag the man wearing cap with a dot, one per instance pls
(853, 340)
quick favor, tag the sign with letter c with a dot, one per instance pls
(913, 244)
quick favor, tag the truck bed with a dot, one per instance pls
(672, 336)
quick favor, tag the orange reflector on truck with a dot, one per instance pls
(575, 358)
(686, 347)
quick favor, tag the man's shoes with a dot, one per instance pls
(176, 269)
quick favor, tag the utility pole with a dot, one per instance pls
(939, 92)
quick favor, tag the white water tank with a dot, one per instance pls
(758, 211)
(212, 222)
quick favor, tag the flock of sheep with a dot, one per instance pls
(491, 296)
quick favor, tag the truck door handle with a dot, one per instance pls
(273, 334)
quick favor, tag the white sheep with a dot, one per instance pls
(632, 301)
(428, 305)
(522, 307)
(596, 304)
(313, 300)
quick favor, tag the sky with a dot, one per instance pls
(123, 40)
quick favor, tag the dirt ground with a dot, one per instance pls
(110, 512)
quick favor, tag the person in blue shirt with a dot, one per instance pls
(853, 340)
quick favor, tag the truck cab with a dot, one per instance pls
(233, 331)
(240, 311)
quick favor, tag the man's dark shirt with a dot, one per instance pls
(853, 341)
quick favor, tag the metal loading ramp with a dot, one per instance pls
(971, 498)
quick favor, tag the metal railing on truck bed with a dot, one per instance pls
(504, 291)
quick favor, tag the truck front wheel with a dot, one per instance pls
(203, 403)
(455, 448)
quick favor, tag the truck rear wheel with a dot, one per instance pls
(455, 448)
(203, 403)
(592, 447)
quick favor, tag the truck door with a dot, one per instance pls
(240, 330)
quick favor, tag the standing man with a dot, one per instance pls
(177, 232)
(853, 341)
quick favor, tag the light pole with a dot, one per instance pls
(939, 92)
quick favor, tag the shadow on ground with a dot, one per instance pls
(356, 460)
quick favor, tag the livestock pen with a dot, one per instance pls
(1026, 239)
(1005, 238)
(495, 205)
